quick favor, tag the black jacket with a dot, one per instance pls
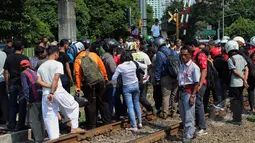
(221, 66)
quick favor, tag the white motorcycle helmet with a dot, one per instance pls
(79, 46)
(231, 45)
(224, 39)
(252, 41)
(240, 39)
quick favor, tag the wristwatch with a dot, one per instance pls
(51, 93)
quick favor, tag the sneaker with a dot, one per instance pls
(239, 123)
(163, 115)
(219, 107)
(132, 129)
(140, 126)
(201, 132)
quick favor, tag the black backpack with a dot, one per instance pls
(139, 72)
(173, 63)
(212, 74)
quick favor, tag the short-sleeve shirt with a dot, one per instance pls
(240, 64)
(155, 29)
(12, 64)
(2, 61)
(189, 73)
(47, 72)
(201, 61)
(142, 58)
(33, 62)
(64, 58)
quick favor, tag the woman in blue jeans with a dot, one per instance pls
(131, 91)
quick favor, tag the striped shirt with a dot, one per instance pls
(31, 90)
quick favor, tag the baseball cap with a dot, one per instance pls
(24, 63)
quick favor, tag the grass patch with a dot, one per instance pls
(251, 118)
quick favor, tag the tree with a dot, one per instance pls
(82, 19)
(150, 20)
(241, 27)
(107, 17)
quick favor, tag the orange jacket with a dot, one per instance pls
(77, 67)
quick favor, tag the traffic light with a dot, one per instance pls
(140, 23)
(127, 15)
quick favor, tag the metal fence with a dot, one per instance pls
(29, 52)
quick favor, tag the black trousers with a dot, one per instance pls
(65, 82)
(236, 104)
(3, 102)
(143, 96)
(15, 93)
(120, 107)
(157, 96)
(207, 96)
(96, 101)
(251, 97)
(36, 121)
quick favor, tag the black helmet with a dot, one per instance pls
(159, 42)
(110, 44)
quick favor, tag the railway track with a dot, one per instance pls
(172, 130)
(113, 127)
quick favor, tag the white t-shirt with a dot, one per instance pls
(2, 61)
(142, 58)
(155, 29)
(47, 71)
(128, 72)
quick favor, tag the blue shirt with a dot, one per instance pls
(161, 65)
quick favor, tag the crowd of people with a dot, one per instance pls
(112, 78)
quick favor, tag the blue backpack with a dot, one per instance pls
(74, 50)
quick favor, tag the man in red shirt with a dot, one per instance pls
(201, 60)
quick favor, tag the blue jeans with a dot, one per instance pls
(199, 109)
(110, 93)
(131, 94)
(222, 90)
(187, 113)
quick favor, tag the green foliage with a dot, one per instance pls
(30, 19)
(35, 29)
(82, 19)
(150, 20)
(241, 27)
(210, 12)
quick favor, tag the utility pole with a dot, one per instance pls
(143, 10)
(223, 15)
(66, 20)
(218, 30)
(177, 23)
(129, 17)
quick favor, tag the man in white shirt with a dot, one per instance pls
(54, 95)
(3, 95)
(155, 29)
